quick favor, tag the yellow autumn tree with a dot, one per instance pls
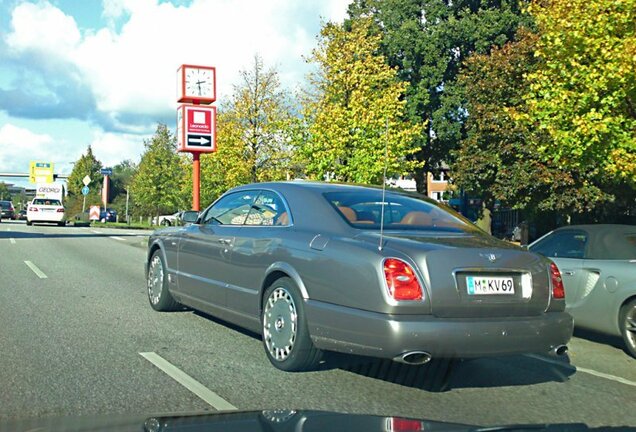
(355, 110)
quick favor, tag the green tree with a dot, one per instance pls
(86, 165)
(584, 93)
(427, 41)
(498, 159)
(157, 186)
(253, 135)
(355, 95)
(4, 191)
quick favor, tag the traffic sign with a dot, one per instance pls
(93, 213)
(41, 172)
(106, 171)
(85, 190)
(196, 128)
(86, 180)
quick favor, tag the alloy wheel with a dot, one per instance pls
(280, 324)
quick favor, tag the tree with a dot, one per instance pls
(157, 185)
(253, 135)
(357, 95)
(86, 165)
(4, 191)
(498, 159)
(584, 93)
(427, 41)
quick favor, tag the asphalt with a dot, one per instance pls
(71, 343)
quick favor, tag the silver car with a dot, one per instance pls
(598, 263)
(317, 267)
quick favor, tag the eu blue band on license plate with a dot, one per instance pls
(485, 285)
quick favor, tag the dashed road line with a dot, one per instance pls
(204, 393)
(96, 232)
(36, 270)
(12, 240)
(584, 370)
(118, 238)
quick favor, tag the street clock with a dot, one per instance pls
(196, 84)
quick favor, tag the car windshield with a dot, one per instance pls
(44, 201)
(363, 210)
(5, 205)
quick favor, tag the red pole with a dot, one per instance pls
(196, 174)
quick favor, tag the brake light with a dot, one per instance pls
(558, 291)
(33, 209)
(401, 280)
(60, 210)
(404, 425)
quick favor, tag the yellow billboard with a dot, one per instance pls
(41, 172)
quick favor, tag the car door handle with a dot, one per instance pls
(569, 272)
(225, 241)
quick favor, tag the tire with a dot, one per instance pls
(29, 222)
(61, 224)
(156, 282)
(285, 333)
(165, 222)
(627, 324)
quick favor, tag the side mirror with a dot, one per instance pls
(189, 217)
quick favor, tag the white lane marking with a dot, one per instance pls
(584, 370)
(118, 238)
(12, 240)
(36, 270)
(96, 232)
(207, 395)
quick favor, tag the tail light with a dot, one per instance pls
(401, 280)
(558, 291)
(395, 424)
(60, 210)
(33, 209)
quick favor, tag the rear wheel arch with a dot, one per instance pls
(277, 271)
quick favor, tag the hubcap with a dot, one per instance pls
(630, 326)
(155, 280)
(279, 324)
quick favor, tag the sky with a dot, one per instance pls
(75, 73)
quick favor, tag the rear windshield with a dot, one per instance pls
(5, 204)
(43, 201)
(401, 212)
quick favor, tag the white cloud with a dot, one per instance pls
(111, 148)
(133, 70)
(19, 146)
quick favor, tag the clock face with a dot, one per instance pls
(199, 83)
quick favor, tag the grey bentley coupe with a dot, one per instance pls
(317, 267)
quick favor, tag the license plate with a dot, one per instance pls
(486, 285)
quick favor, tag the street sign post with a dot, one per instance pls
(85, 190)
(196, 124)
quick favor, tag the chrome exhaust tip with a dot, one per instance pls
(413, 358)
(559, 350)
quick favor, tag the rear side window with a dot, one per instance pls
(363, 209)
(44, 201)
(562, 244)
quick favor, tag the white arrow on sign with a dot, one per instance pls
(200, 140)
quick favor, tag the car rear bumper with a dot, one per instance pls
(53, 217)
(342, 329)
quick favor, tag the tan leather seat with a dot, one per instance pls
(349, 213)
(417, 218)
(282, 219)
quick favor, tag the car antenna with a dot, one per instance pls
(386, 157)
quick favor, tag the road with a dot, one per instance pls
(78, 338)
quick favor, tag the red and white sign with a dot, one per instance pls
(93, 213)
(196, 128)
